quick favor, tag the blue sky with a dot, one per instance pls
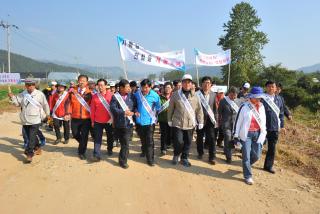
(86, 30)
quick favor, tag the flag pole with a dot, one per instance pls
(229, 75)
(124, 69)
(195, 62)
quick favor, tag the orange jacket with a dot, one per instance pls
(76, 109)
(62, 110)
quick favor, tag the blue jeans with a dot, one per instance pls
(251, 152)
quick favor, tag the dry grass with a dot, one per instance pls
(299, 148)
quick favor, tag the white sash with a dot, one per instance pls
(255, 114)
(233, 105)
(36, 104)
(273, 106)
(147, 107)
(82, 102)
(188, 106)
(105, 105)
(123, 105)
(59, 101)
(206, 105)
(164, 106)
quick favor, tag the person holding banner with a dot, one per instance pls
(148, 102)
(165, 129)
(228, 110)
(34, 109)
(207, 99)
(59, 107)
(123, 106)
(101, 119)
(275, 122)
(80, 99)
(250, 130)
(184, 114)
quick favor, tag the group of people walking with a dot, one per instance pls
(249, 118)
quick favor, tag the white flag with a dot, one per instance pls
(131, 51)
(220, 59)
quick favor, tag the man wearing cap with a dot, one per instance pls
(148, 103)
(80, 99)
(184, 114)
(34, 109)
(228, 110)
(101, 119)
(274, 107)
(244, 90)
(59, 107)
(207, 99)
(250, 130)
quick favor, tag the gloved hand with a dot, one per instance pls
(200, 126)
(170, 123)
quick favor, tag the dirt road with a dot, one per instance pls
(58, 182)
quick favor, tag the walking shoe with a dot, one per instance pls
(151, 163)
(82, 156)
(185, 162)
(38, 151)
(57, 141)
(271, 170)
(200, 157)
(249, 181)
(96, 158)
(28, 159)
(163, 152)
(124, 165)
(212, 162)
(110, 152)
(66, 142)
(43, 142)
(229, 160)
(175, 160)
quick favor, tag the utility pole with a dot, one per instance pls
(8, 26)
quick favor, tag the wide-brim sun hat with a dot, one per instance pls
(256, 92)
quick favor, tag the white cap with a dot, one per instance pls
(54, 83)
(187, 77)
(220, 90)
(246, 85)
(112, 84)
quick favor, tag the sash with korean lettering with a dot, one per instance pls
(233, 105)
(56, 106)
(123, 105)
(147, 107)
(188, 106)
(255, 113)
(105, 105)
(273, 106)
(206, 105)
(82, 102)
(164, 106)
(36, 104)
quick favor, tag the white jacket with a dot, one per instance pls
(243, 121)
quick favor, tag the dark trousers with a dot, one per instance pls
(25, 137)
(98, 133)
(66, 128)
(272, 138)
(182, 142)
(219, 135)
(80, 131)
(209, 132)
(31, 131)
(165, 135)
(146, 136)
(124, 138)
(227, 149)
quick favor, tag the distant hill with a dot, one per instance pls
(310, 69)
(204, 71)
(27, 66)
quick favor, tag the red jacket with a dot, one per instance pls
(63, 108)
(98, 111)
(76, 110)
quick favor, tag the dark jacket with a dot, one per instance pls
(271, 117)
(286, 110)
(212, 104)
(227, 115)
(119, 118)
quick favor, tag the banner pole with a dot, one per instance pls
(229, 75)
(195, 62)
(124, 69)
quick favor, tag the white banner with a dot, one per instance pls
(131, 51)
(9, 78)
(220, 59)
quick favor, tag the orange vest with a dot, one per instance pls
(76, 110)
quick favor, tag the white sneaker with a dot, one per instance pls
(249, 181)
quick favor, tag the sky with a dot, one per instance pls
(84, 32)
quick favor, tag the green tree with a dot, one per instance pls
(173, 75)
(152, 76)
(245, 42)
